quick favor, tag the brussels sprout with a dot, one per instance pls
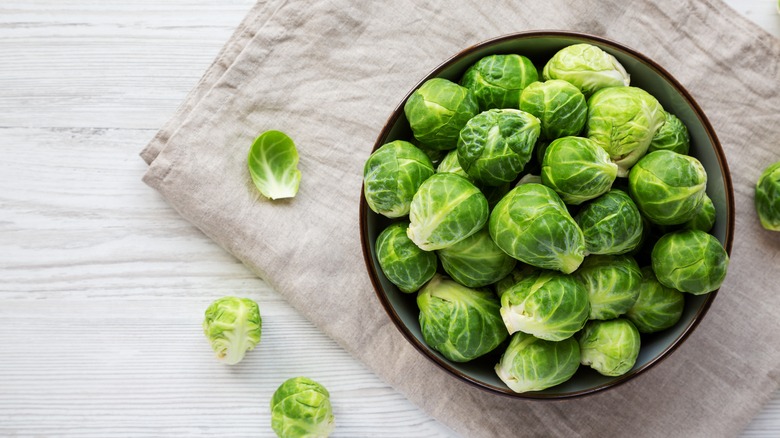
(233, 326)
(495, 145)
(690, 261)
(658, 307)
(587, 67)
(273, 165)
(392, 175)
(531, 364)
(559, 105)
(623, 121)
(609, 347)
(498, 80)
(767, 197)
(577, 169)
(300, 408)
(450, 164)
(438, 110)
(446, 209)
(403, 263)
(611, 224)
(704, 219)
(476, 261)
(612, 282)
(668, 187)
(531, 224)
(546, 304)
(459, 322)
(671, 136)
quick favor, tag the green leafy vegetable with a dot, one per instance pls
(300, 408)
(273, 165)
(233, 326)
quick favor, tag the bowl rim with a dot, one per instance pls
(697, 317)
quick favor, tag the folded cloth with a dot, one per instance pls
(329, 73)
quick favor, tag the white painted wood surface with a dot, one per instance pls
(102, 284)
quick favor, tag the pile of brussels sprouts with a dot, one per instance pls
(550, 218)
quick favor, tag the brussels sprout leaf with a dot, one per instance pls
(273, 165)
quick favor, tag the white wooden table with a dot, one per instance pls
(103, 285)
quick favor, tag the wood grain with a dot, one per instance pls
(103, 284)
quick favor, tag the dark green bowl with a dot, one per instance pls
(645, 73)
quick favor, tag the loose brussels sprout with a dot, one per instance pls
(587, 67)
(612, 282)
(559, 105)
(611, 224)
(495, 145)
(403, 263)
(446, 209)
(577, 169)
(233, 326)
(704, 219)
(300, 408)
(623, 121)
(690, 261)
(531, 364)
(671, 136)
(767, 197)
(658, 307)
(531, 224)
(498, 80)
(392, 175)
(546, 304)
(450, 164)
(476, 261)
(438, 110)
(459, 322)
(668, 187)
(609, 347)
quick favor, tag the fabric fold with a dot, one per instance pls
(330, 73)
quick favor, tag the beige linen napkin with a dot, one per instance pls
(330, 72)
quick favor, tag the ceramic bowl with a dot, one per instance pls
(645, 73)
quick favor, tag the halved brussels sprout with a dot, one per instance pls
(392, 175)
(611, 224)
(403, 262)
(301, 408)
(438, 110)
(476, 261)
(668, 187)
(690, 261)
(446, 209)
(609, 347)
(767, 197)
(495, 145)
(587, 67)
(559, 105)
(498, 80)
(459, 322)
(546, 304)
(532, 224)
(532, 364)
(577, 169)
(704, 219)
(612, 282)
(623, 121)
(658, 307)
(671, 136)
(450, 164)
